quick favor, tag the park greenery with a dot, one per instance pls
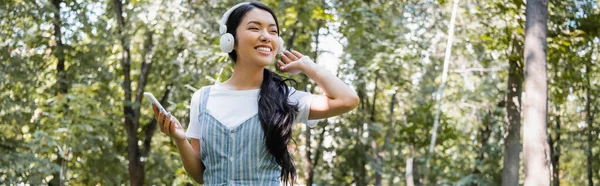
(72, 74)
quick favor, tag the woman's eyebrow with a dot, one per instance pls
(258, 23)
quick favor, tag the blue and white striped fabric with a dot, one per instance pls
(235, 156)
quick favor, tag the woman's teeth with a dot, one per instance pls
(264, 49)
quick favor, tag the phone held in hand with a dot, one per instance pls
(153, 100)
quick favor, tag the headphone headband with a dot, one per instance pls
(226, 17)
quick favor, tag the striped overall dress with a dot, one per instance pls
(235, 156)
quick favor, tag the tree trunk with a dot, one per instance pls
(589, 118)
(58, 52)
(359, 170)
(136, 166)
(308, 156)
(312, 162)
(440, 91)
(374, 141)
(387, 138)
(484, 132)
(555, 150)
(535, 140)
(58, 178)
(409, 172)
(512, 141)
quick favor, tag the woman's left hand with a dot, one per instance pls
(293, 62)
(338, 98)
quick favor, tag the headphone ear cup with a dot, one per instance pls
(227, 42)
(281, 47)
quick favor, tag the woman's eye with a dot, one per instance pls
(253, 28)
(274, 31)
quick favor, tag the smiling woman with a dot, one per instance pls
(256, 34)
(239, 130)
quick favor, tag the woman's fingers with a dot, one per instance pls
(286, 59)
(291, 56)
(298, 55)
(281, 65)
(174, 125)
(159, 121)
(165, 121)
(161, 117)
(168, 125)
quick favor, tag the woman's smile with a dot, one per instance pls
(264, 50)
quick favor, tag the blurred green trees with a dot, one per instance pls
(68, 111)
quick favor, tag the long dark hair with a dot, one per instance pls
(275, 113)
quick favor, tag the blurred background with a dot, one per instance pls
(72, 73)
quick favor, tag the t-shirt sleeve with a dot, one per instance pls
(193, 130)
(304, 99)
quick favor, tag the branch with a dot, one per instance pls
(145, 66)
(125, 58)
(388, 134)
(316, 54)
(594, 112)
(477, 70)
(374, 97)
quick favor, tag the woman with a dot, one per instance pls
(239, 130)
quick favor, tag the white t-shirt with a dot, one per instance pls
(233, 107)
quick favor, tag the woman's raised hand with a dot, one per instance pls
(293, 62)
(168, 124)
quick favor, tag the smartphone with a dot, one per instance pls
(153, 100)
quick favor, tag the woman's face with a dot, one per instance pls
(257, 38)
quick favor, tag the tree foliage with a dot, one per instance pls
(70, 119)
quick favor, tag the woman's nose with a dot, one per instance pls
(265, 37)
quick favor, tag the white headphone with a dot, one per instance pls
(227, 41)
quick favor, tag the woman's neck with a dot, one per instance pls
(245, 77)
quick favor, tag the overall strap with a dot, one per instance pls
(204, 92)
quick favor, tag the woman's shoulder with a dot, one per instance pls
(198, 93)
(204, 88)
